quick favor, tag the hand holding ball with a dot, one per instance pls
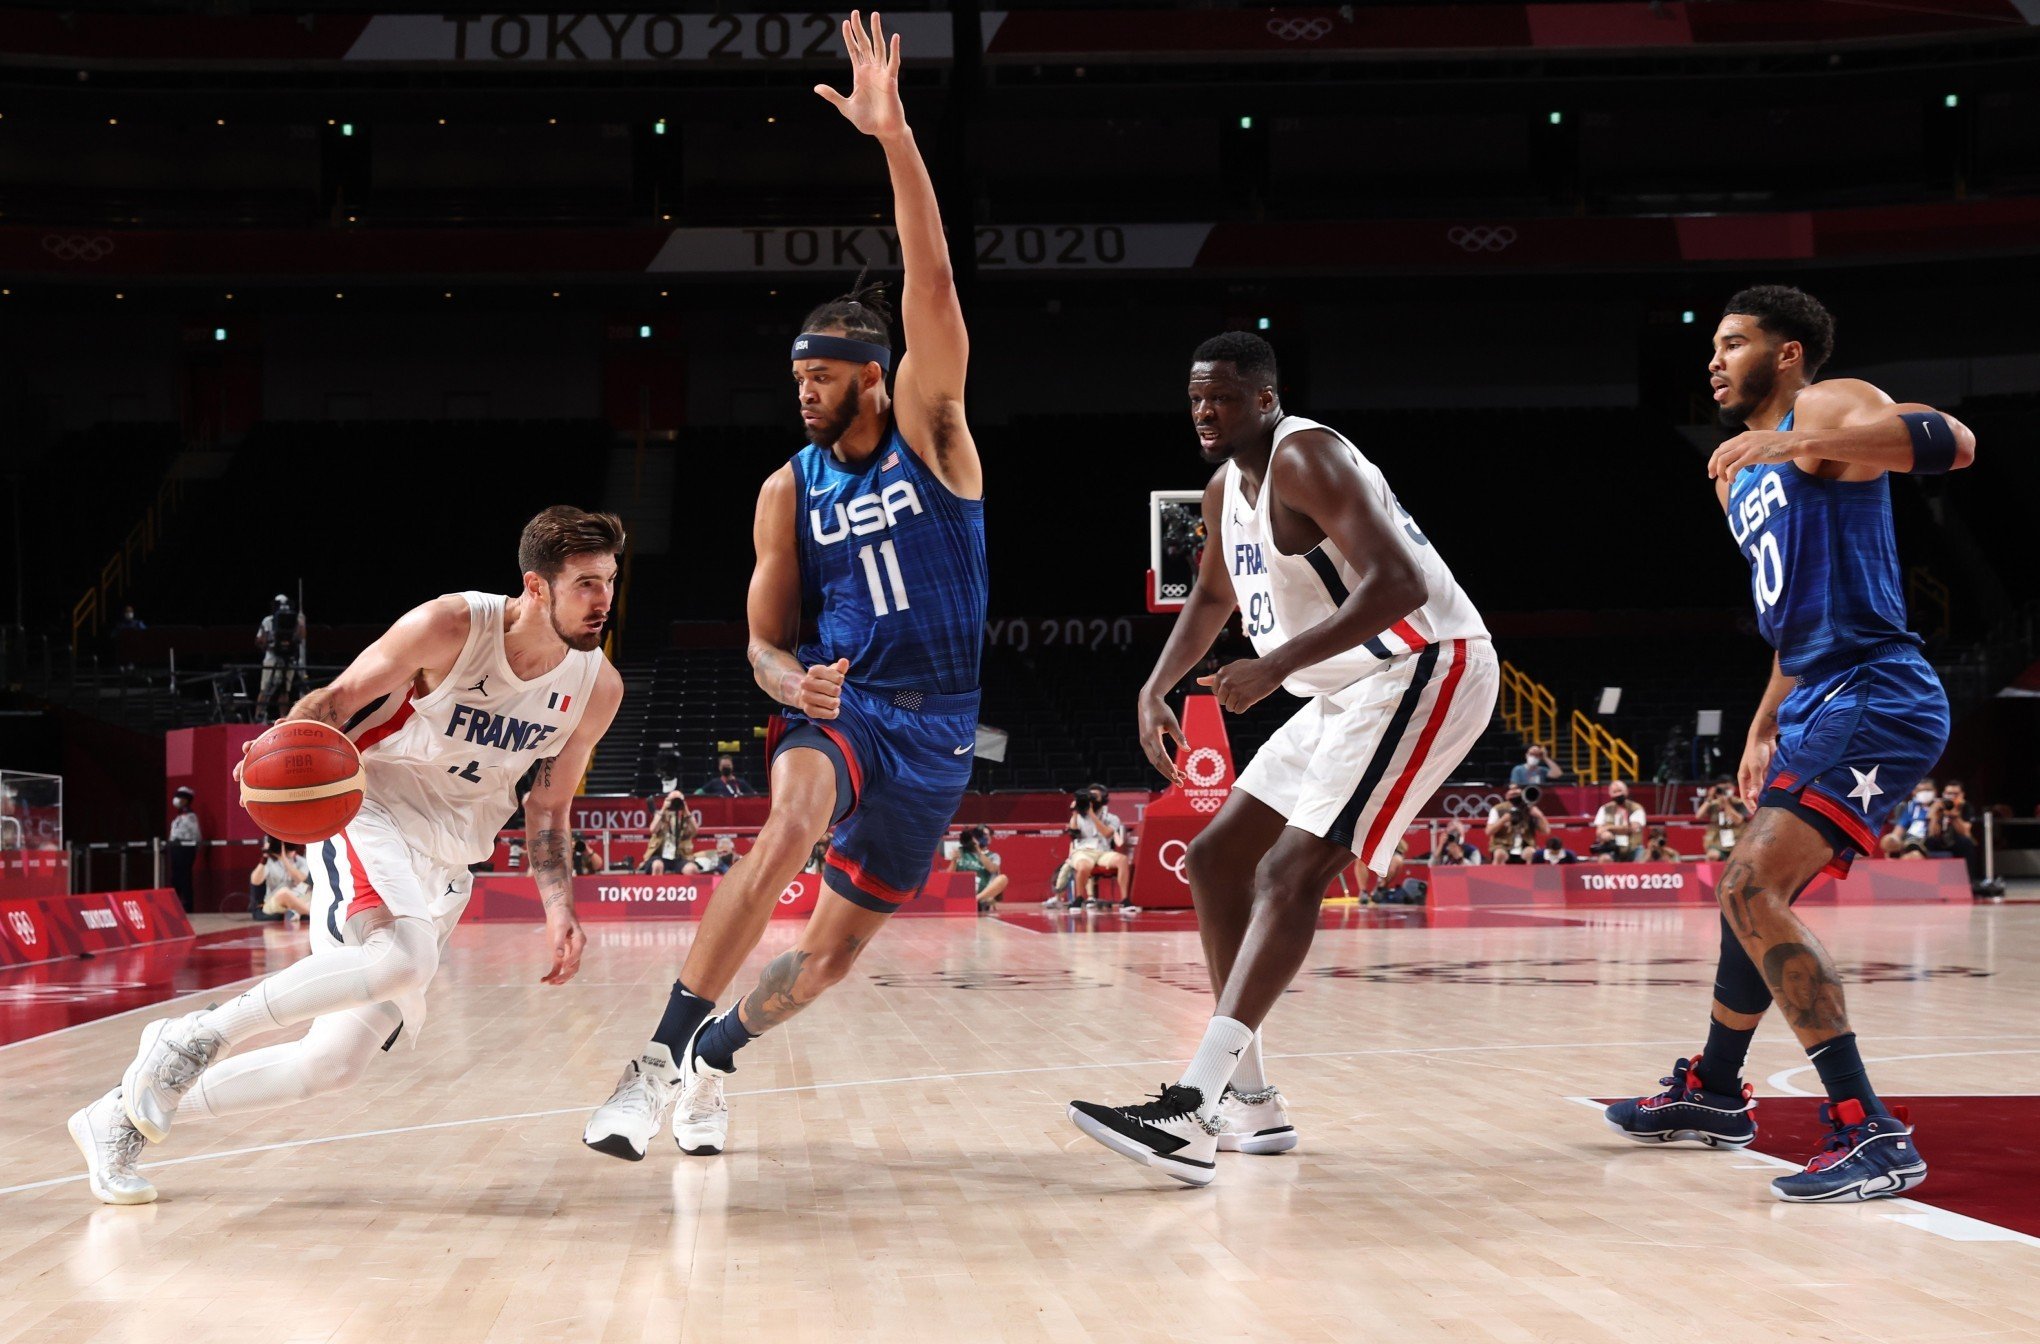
(302, 781)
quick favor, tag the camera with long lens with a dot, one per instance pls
(1083, 800)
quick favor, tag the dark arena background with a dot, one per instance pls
(323, 301)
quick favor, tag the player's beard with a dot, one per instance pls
(581, 641)
(836, 423)
(1756, 389)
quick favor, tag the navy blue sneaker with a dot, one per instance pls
(1867, 1157)
(1686, 1113)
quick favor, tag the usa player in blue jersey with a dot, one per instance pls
(875, 532)
(1852, 718)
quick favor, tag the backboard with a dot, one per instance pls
(1175, 545)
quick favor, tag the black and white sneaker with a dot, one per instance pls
(1164, 1133)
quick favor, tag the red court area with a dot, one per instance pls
(1983, 1153)
(52, 995)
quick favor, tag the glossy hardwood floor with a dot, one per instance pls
(900, 1168)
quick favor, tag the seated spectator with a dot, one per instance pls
(718, 860)
(279, 886)
(974, 856)
(1618, 827)
(1657, 848)
(1515, 827)
(1724, 816)
(724, 782)
(670, 846)
(1515, 801)
(1907, 838)
(1554, 851)
(586, 861)
(1537, 768)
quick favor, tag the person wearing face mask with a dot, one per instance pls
(724, 783)
(1618, 826)
(671, 842)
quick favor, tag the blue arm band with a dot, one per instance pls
(1933, 442)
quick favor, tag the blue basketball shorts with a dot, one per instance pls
(902, 761)
(1853, 741)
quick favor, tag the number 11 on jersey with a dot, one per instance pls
(871, 555)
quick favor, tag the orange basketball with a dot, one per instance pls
(302, 781)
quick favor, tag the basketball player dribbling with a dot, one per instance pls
(1853, 717)
(449, 709)
(876, 531)
(1347, 603)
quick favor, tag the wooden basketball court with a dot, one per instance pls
(900, 1167)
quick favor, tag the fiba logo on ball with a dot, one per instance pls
(1204, 768)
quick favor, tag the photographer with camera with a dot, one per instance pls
(281, 637)
(974, 856)
(1097, 839)
(1951, 830)
(587, 863)
(1657, 848)
(1618, 827)
(1907, 838)
(1455, 849)
(1724, 816)
(1516, 825)
(670, 846)
(279, 885)
(1554, 851)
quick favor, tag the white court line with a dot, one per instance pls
(1912, 1213)
(1782, 1080)
(825, 1087)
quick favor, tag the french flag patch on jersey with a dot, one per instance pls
(558, 701)
(892, 460)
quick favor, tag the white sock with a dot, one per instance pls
(243, 1016)
(1249, 1077)
(1225, 1042)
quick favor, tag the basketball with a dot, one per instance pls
(302, 781)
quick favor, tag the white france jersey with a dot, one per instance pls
(444, 767)
(1281, 596)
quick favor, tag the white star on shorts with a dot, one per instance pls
(1866, 785)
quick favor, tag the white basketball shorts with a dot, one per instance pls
(1355, 765)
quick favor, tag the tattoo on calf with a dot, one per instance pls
(1803, 981)
(772, 1002)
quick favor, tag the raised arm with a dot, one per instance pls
(1312, 475)
(773, 608)
(1210, 605)
(928, 389)
(425, 638)
(548, 812)
(1847, 429)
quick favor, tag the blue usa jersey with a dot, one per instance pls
(892, 570)
(1823, 562)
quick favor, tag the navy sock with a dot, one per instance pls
(1722, 1059)
(721, 1039)
(685, 1011)
(1840, 1066)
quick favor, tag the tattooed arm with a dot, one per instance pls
(548, 820)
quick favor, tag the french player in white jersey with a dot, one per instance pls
(450, 709)
(1349, 604)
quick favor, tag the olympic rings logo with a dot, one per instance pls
(1205, 804)
(1471, 804)
(1299, 30)
(77, 247)
(791, 894)
(24, 927)
(1205, 767)
(1176, 861)
(1480, 237)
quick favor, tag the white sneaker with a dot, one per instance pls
(701, 1122)
(1164, 1133)
(110, 1145)
(623, 1125)
(1255, 1122)
(174, 1051)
